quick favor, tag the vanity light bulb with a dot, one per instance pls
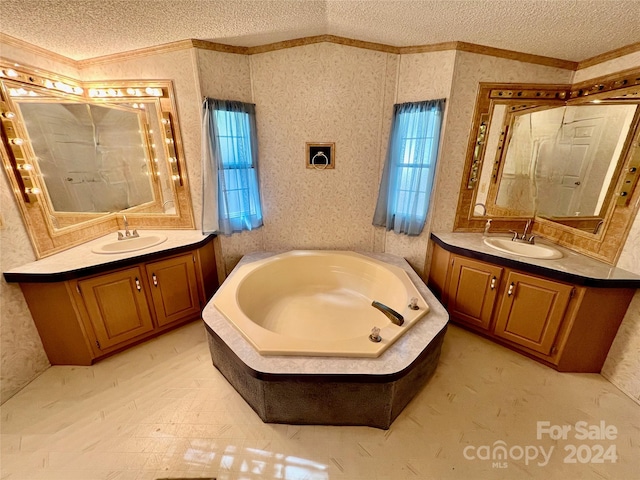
(8, 114)
(173, 159)
(25, 166)
(32, 190)
(112, 92)
(131, 91)
(17, 141)
(17, 92)
(78, 90)
(48, 84)
(175, 177)
(11, 72)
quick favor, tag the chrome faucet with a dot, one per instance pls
(394, 316)
(517, 237)
(127, 232)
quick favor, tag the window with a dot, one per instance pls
(405, 188)
(231, 194)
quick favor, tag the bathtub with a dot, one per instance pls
(319, 303)
(315, 382)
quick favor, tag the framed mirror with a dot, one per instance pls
(564, 155)
(81, 154)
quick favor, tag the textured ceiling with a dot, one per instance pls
(566, 29)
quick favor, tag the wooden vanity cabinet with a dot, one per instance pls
(174, 288)
(85, 319)
(567, 326)
(117, 306)
(531, 311)
(472, 291)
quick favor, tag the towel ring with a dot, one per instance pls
(320, 166)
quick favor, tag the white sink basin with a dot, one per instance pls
(529, 250)
(129, 244)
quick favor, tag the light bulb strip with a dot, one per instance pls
(148, 92)
(22, 170)
(32, 78)
(172, 155)
(153, 164)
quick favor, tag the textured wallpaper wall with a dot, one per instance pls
(622, 367)
(227, 77)
(422, 76)
(22, 356)
(321, 93)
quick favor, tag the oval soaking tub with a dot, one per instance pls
(320, 303)
(326, 303)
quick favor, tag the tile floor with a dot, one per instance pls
(161, 410)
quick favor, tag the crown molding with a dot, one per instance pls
(518, 56)
(298, 42)
(612, 55)
(16, 42)
(224, 48)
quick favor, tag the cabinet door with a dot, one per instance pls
(531, 311)
(174, 288)
(117, 306)
(472, 291)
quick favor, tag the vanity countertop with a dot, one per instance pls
(573, 267)
(81, 260)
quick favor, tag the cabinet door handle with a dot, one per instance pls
(510, 291)
(493, 283)
(155, 279)
(138, 284)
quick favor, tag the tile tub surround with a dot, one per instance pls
(572, 267)
(291, 389)
(79, 261)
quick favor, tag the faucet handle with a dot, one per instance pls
(375, 335)
(531, 239)
(516, 235)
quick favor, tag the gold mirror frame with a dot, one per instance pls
(609, 238)
(47, 235)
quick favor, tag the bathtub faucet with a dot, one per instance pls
(394, 316)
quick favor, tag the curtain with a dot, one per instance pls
(230, 187)
(407, 178)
